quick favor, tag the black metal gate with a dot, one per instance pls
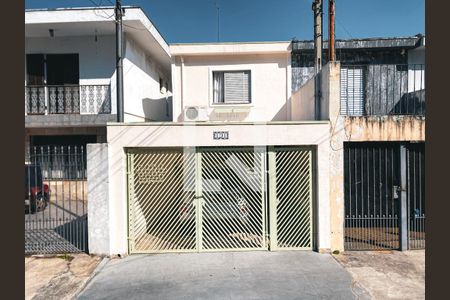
(416, 195)
(55, 200)
(373, 195)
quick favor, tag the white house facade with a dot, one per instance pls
(232, 171)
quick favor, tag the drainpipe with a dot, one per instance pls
(182, 88)
(318, 39)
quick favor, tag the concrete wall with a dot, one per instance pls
(144, 100)
(270, 86)
(98, 200)
(302, 102)
(191, 135)
(384, 128)
(97, 59)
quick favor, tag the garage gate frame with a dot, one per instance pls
(265, 226)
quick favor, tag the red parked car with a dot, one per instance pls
(37, 194)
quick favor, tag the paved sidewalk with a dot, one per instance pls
(387, 274)
(229, 275)
(57, 277)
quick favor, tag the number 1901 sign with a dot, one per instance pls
(220, 135)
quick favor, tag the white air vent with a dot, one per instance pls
(195, 113)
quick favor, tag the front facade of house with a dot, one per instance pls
(232, 171)
(246, 164)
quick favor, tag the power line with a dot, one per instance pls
(109, 17)
(343, 27)
(339, 23)
(98, 5)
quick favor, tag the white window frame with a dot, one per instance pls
(230, 69)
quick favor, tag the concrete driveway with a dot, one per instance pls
(230, 275)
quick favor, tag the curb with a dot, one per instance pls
(99, 267)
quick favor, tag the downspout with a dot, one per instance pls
(181, 118)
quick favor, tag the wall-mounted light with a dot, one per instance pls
(51, 32)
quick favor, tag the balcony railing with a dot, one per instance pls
(382, 89)
(67, 99)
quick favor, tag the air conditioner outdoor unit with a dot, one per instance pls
(195, 114)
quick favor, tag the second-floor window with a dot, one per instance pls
(231, 87)
(352, 91)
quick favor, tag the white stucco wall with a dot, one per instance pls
(96, 58)
(302, 102)
(270, 86)
(191, 135)
(143, 98)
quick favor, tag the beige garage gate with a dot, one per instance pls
(219, 199)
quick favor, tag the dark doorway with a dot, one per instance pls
(35, 69)
(62, 69)
(35, 90)
(63, 83)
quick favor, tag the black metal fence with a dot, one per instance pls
(383, 89)
(55, 206)
(68, 99)
(373, 195)
(416, 195)
(61, 162)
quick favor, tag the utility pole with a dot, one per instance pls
(331, 43)
(317, 7)
(119, 61)
(318, 38)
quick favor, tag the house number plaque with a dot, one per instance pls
(220, 135)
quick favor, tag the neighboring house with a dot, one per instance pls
(70, 79)
(377, 138)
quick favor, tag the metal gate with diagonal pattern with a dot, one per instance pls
(292, 191)
(217, 199)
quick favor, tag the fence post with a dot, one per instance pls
(98, 196)
(403, 200)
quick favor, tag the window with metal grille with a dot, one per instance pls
(231, 87)
(352, 91)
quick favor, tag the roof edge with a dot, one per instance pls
(377, 42)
